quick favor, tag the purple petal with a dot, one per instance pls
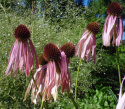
(85, 46)
(121, 101)
(21, 56)
(108, 30)
(12, 50)
(27, 59)
(120, 32)
(94, 49)
(88, 50)
(12, 58)
(33, 51)
(65, 75)
(80, 43)
(16, 65)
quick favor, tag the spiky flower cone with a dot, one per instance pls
(51, 52)
(114, 9)
(69, 49)
(22, 33)
(93, 27)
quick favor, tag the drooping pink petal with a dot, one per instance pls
(105, 29)
(12, 59)
(121, 101)
(94, 49)
(85, 34)
(24, 55)
(31, 56)
(16, 64)
(80, 43)
(21, 56)
(65, 75)
(38, 71)
(27, 59)
(85, 46)
(88, 50)
(33, 51)
(50, 79)
(114, 33)
(105, 25)
(12, 50)
(108, 30)
(111, 23)
(120, 32)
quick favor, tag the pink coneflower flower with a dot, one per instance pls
(113, 23)
(48, 78)
(22, 53)
(67, 52)
(121, 101)
(88, 42)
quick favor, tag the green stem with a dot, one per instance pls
(69, 95)
(41, 105)
(45, 105)
(77, 78)
(117, 53)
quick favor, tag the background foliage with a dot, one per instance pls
(60, 21)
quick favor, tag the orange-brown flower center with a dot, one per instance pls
(114, 9)
(69, 49)
(93, 27)
(51, 52)
(22, 32)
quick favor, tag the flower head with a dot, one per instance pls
(93, 27)
(121, 101)
(114, 9)
(22, 33)
(88, 42)
(113, 27)
(49, 76)
(22, 53)
(69, 49)
(51, 52)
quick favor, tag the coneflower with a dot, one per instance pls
(88, 42)
(113, 27)
(22, 53)
(49, 76)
